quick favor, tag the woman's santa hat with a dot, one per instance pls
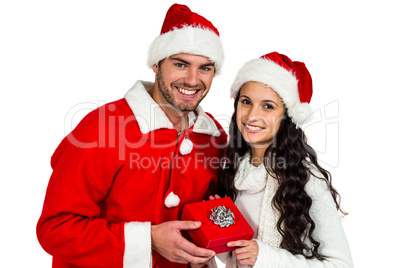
(290, 79)
(184, 31)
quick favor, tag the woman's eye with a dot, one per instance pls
(268, 106)
(245, 101)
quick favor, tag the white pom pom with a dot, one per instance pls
(301, 113)
(186, 146)
(172, 200)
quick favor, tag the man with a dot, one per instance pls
(122, 176)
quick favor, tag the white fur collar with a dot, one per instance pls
(151, 117)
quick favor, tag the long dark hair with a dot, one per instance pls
(292, 173)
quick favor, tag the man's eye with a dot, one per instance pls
(180, 65)
(205, 69)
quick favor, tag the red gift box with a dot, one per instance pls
(210, 235)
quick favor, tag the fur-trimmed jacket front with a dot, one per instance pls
(122, 169)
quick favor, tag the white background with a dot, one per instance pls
(55, 55)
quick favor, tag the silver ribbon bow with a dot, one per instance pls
(222, 216)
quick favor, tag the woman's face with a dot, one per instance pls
(260, 111)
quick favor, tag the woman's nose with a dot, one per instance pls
(253, 113)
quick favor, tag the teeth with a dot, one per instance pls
(187, 92)
(253, 127)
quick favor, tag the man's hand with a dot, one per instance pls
(198, 265)
(246, 252)
(168, 242)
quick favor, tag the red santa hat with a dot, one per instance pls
(184, 31)
(290, 79)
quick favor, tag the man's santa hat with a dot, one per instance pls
(184, 31)
(290, 79)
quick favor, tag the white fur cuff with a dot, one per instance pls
(138, 250)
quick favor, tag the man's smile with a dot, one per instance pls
(187, 91)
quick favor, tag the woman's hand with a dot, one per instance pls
(246, 251)
(214, 197)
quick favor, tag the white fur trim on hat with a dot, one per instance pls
(189, 40)
(172, 200)
(301, 113)
(279, 79)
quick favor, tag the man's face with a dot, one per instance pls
(184, 80)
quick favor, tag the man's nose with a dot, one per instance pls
(192, 77)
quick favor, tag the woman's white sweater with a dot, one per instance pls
(256, 189)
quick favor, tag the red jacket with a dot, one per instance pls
(111, 176)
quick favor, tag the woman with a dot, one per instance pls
(273, 174)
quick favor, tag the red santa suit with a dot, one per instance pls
(122, 169)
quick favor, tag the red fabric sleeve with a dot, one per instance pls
(70, 228)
